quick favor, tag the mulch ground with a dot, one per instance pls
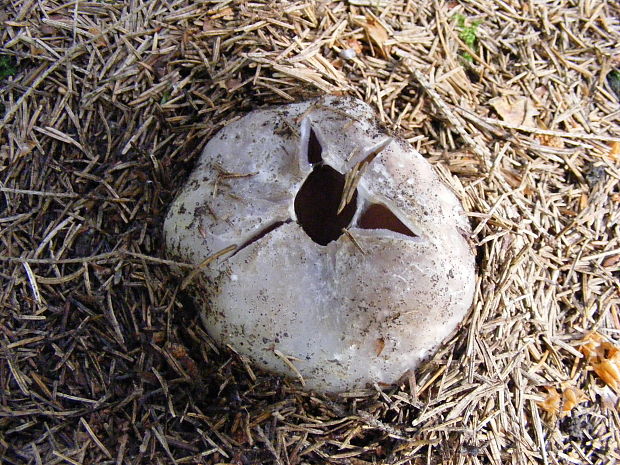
(104, 107)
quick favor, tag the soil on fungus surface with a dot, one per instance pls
(105, 106)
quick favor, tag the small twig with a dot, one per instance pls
(237, 175)
(444, 108)
(204, 263)
(164, 443)
(352, 178)
(70, 55)
(287, 360)
(308, 110)
(532, 130)
(268, 445)
(33, 283)
(93, 258)
(355, 243)
(158, 260)
(344, 114)
(62, 195)
(223, 174)
(95, 439)
(353, 152)
(378, 424)
(292, 128)
(61, 261)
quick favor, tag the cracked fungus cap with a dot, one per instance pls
(350, 263)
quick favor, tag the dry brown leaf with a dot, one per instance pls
(355, 45)
(603, 357)
(551, 141)
(179, 352)
(517, 110)
(608, 397)
(379, 345)
(571, 396)
(36, 51)
(551, 404)
(100, 42)
(608, 371)
(337, 63)
(374, 3)
(463, 163)
(512, 177)
(207, 25)
(48, 30)
(567, 212)
(158, 337)
(225, 13)
(563, 404)
(611, 261)
(378, 34)
(614, 151)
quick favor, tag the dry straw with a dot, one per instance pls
(106, 104)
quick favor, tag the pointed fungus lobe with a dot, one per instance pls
(316, 203)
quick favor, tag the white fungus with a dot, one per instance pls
(348, 54)
(340, 290)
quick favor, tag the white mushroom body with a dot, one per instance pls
(345, 308)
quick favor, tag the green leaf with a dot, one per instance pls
(468, 34)
(165, 97)
(7, 67)
(613, 78)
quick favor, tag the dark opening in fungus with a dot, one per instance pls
(315, 151)
(378, 216)
(316, 205)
